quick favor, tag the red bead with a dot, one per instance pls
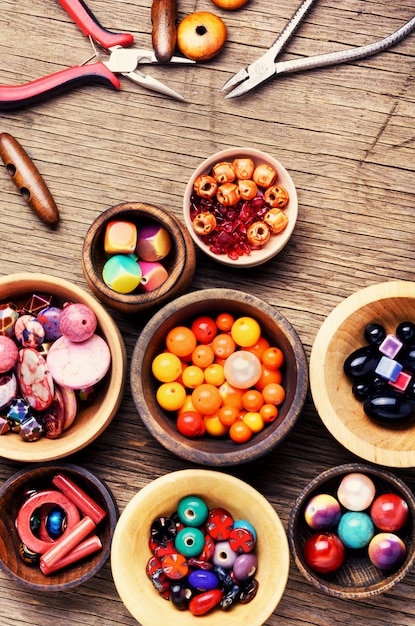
(219, 524)
(208, 549)
(389, 512)
(204, 602)
(324, 552)
(241, 540)
(175, 566)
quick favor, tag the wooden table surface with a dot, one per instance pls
(345, 134)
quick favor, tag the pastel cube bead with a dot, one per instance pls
(153, 243)
(388, 368)
(402, 382)
(121, 273)
(390, 346)
(120, 237)
(153, 275)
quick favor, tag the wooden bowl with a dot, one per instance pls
(12, 495)
(357, 578)
(276, 242)
(340, 334)
(180, 263)
(206, 450)
(93, 417)
(130, 550)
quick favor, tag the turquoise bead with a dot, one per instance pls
(355, 529)
(189, 542)
(192, 511)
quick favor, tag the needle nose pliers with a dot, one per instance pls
(122, 60)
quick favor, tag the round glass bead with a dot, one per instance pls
(192, 511)
(224, 556)
(374, 334)
(189, 541)
(55, 522)
(356, 491)
(322, 512)
(355, 529)
(387, 551)
(242, 369)
(405, 331)
(389, 512)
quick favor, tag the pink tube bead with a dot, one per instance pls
(86, 548)
(63, 546)
(82, 500)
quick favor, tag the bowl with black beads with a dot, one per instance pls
(139, 561)
(362, 373)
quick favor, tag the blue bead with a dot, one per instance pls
(189, 542)
(388, 368)
(192, 511)
(55, 523)
(203, 580)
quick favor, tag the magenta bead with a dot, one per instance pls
(324, 552)
(322, 512)
(387, 551)
(245, 566)
(8, 353)
(77, 322)
(389, 512)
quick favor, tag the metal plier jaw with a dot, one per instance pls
(267, 65)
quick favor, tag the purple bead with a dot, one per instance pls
(245, 566)
(322, 512)
(387, 551)
(49, 318)
(203, 580)
(390, 346)
(224, 556)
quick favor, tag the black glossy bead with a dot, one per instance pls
(180, 595)
(248, 591)
(408, 359)
(374, 334)
(361, 363)
(390, 408)
(163, 530)
(405, 331)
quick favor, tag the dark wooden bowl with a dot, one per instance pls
(130, 550)
(180, 262)
(357, 578)
(11, 498)
(217, 451)
(92, 417)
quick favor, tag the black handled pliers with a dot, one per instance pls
(267, 66)
(122, 60)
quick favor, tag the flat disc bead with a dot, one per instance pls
(189, 541)
(81, 364)
(356, 491)
(192, 511)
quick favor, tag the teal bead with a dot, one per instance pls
(242, 523)
(192, 511)
(189, 542)
(121, 273)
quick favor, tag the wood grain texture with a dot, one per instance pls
(346, 136)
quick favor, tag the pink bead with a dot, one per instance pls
(77, 322)
(8, 353)
(154, 242)
(153, 275)
(36, 383)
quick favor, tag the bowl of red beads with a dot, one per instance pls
(240, 207)
(62, 368)
(219, 377)
(351, 531)
(200, 543)
(362, 373)
(137, 256)
(56, 526)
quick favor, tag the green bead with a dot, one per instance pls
(189, 542)
(122, 273)
(192, 511)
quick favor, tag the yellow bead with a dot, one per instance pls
(214, 374)
(214, 426)
(192, 376)
(254, 421)
(121, 273)
(120, 237)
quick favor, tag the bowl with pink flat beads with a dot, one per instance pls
(87, 405)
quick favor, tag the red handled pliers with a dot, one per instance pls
(121, 61)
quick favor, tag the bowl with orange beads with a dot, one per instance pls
(219, 377)
(240, 207)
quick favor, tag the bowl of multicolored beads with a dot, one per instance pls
(240, 207)
(63, 368)
(205, 541)
(219, 377)
(137, 256)
(362, 373)
(352, 532)
(56, 526)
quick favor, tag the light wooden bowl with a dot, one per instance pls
(276, 242)
(357, 578)
(340, 334)
(217, 451)
(130, 551)
(180, 263)
(93, 418)
(12, 495)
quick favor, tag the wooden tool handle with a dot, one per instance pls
(28, 180)
(164, 33)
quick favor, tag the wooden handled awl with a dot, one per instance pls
(28, 180)
(164, 32)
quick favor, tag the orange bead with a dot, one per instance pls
(224, 322)
(203, 355)
(268, 376)
(206, 398)
(231, 395)
(223, 345)
(240, 432)
(259, 347)
(273, 393)
(252, 400)
(181, 341)
(188, 406)
(228, 414)
(268, 412)
(273, 358)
